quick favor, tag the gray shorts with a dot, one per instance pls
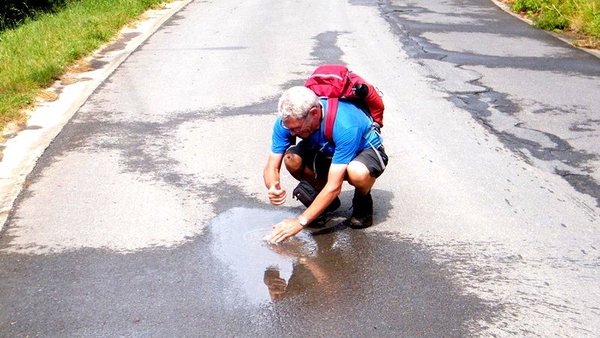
(320, 163)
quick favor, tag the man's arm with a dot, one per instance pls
(271, 171)
(271, 178)
(331, 190)
(290, 227)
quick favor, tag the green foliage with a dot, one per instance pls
(554, 16)
(589, 20)
(16, 12)
(34, 54)
(528, 6)
(583, 16)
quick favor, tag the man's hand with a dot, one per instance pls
(283, 230)
(276, 194)
(275, 283)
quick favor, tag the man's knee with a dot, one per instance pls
(293, 163)
(360, 177)
(358, 172)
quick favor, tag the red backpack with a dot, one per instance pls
(336, 82)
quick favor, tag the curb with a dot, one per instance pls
(47, 119)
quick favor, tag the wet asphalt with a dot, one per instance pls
(216, 285)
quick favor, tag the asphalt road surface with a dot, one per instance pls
(145, 215)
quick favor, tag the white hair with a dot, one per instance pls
(296, 102)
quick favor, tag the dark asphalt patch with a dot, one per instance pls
(410, 32)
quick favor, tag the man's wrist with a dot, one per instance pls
(302, 220)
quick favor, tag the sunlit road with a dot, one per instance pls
(146, 214)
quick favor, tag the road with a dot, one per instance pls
(144, 216)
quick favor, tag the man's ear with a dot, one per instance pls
(315, 111)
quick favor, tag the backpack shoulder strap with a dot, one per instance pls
(332, 106)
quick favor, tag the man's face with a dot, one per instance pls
(304, 127)
(298, 127)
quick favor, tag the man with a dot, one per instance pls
(355, 154)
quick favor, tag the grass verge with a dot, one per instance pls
(38, 52)
(578, 18)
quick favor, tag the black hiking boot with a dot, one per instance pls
(323, 218)
(362, 211)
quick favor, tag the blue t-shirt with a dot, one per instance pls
(352, 133)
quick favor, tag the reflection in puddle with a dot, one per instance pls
(264, 270)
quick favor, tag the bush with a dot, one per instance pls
(528, 6)
(553, 15)
(15, 12)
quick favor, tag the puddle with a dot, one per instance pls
(238, 241)
(337, 273)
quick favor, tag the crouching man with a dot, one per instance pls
(355, 154)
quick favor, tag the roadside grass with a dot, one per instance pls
(578, 18)
(38, 52)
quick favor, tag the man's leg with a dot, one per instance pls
(362, 174)
(302, 171)
(362, 202)
(360, 177)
